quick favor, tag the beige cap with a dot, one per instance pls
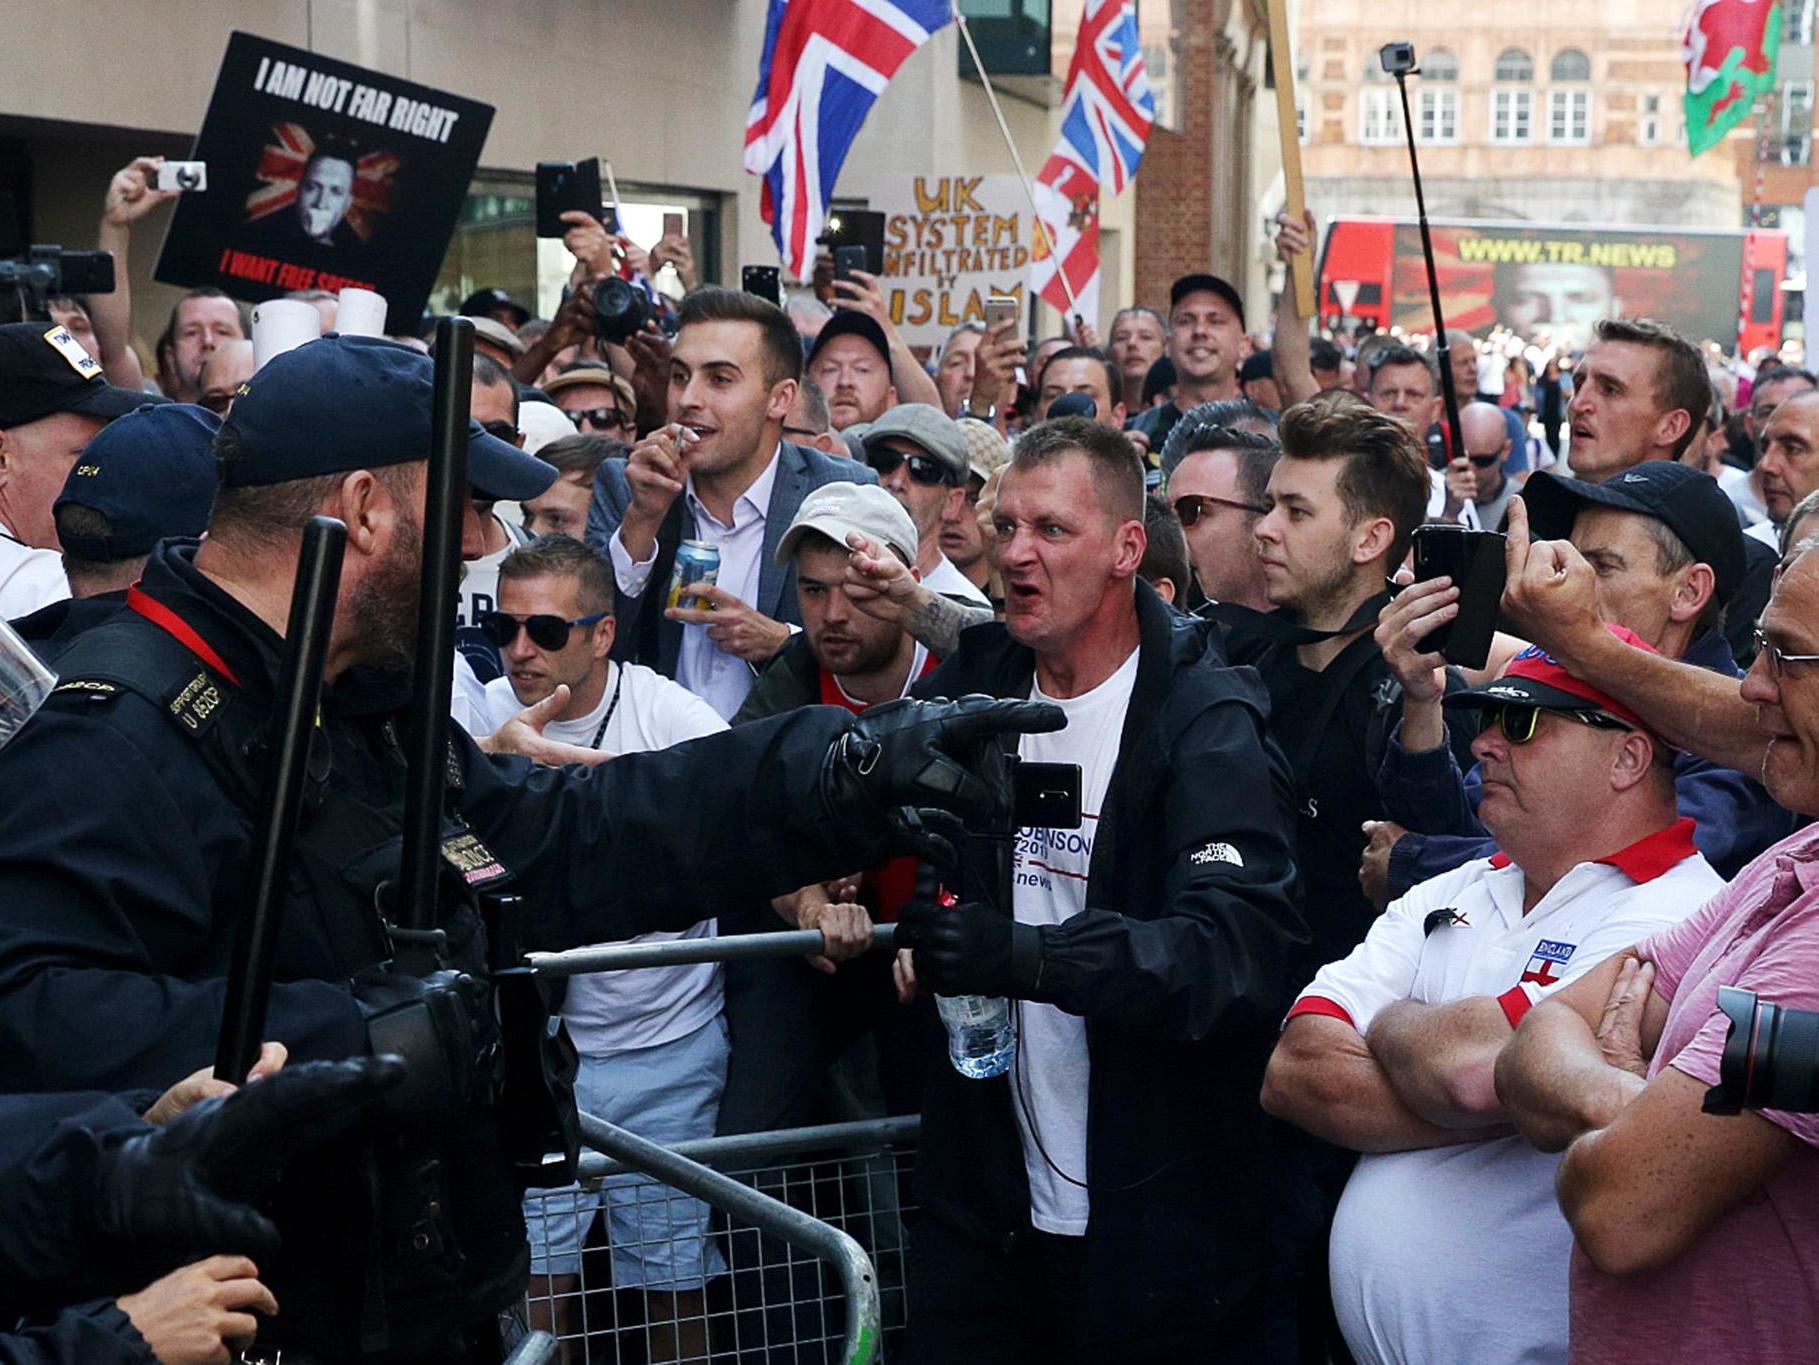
(595, 374)
(838, 509)
(491, 329)
(986, 450)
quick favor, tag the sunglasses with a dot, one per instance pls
(1482, 461)
(1778, 658)
(1518, 722)
(546, 632)
(923, 469)
(1189, 507)
(605, 419)
(501, 428)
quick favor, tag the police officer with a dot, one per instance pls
(123, 856)
(147, 476)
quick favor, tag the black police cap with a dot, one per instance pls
(44, 371)
(151, 474)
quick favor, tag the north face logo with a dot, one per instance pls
(1216, 853)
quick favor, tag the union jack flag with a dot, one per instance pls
(1105, 124)
(825, 62)
(283, 160)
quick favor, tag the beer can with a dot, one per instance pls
(697, 561)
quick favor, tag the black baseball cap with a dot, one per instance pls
(483, 303)
(341, 403)
(1256, 365)
(151, 474)
(44, 371)
(1687, 501)
(844, 323)
(1207, 284)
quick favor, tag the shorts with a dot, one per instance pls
(658, 1236)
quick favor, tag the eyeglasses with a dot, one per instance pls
(501, 428)
(546, 632)
(923, 469)
(1188, 506)
(604, 419)
(1518, 722)
(1778, 658)
(1484, 461)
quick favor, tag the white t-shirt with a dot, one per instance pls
(620, 1011)
(1766, 532)
(1048, 886)
(467, 704)
(29, 579)
(1461, 1253)
(945, 579)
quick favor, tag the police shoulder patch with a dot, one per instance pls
(95, 689)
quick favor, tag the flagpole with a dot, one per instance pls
(1029, 190)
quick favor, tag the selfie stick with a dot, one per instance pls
(312, 616)
(1029, 190)
(1455, 443)
(426, 736)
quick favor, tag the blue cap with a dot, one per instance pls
(341, 403)
(151, 473)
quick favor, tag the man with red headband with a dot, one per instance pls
(1448, 1244)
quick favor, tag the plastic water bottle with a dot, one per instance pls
(981, 1034)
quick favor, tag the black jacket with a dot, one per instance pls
(1181, 966)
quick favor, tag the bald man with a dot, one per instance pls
(1487, 451)
(227, 367)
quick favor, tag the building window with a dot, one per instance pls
(1570, 65)
(1648, 127)
(1511, 111)
(1437, 113)
(1569, 116)
(1380, 116)
(1799, 24)
(1439, 65)
(1795, 145)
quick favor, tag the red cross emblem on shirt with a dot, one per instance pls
(1542, 975)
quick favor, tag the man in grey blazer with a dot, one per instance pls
(719, 471)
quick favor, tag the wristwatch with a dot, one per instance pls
(989, 416)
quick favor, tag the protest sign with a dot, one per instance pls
(322, 175)
(950, 242)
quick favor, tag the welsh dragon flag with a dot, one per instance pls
(1730, 48)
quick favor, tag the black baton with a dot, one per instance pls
(426, 737)
(312, 617)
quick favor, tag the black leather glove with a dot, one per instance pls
(966, 948)
(185, 1189)
(944, 755)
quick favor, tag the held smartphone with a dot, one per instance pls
(1474, 561)
(862, 228)
(1045, 795)
(1000, 309)
(765, 281)
(566, 185)
(673, 225)
(183, 175)
(847, 259)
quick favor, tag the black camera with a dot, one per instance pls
(620, 310)
(45, 272)
(1398, 58)
(1771, 1057)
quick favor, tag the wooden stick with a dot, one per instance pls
(1282, 65)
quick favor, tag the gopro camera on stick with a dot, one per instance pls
(1398, 58)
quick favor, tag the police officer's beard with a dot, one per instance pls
(383, 607)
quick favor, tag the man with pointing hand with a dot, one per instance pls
(718, 472)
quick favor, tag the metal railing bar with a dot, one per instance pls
(682, 952)
(737, 1147)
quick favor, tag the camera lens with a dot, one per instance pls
(1771, 1057)
(619, 310)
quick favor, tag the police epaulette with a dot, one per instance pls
(196, 703)
(94, 688)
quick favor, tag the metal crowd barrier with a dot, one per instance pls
(804, 1263)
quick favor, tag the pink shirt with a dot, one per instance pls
(1749, 1288)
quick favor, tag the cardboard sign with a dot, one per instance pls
(950, 242)
(323, 175)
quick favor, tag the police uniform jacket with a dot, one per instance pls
(1182, 967)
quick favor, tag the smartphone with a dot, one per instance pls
(183, 175)
(563, 186)
(763, 280)
(673, 225)
(863, 228)
(847, 259)
(1045, 795)
(1000, 309)
(1474, 561)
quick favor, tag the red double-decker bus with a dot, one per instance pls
(1551, 282)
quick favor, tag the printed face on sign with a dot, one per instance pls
(323, 196)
